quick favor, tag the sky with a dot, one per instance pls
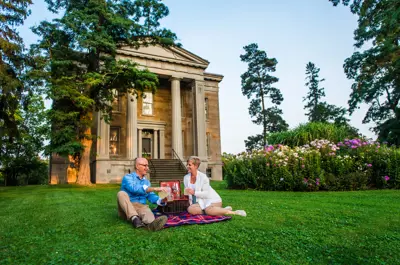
(292, 31)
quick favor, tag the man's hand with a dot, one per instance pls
(163, 189)
(158, 189)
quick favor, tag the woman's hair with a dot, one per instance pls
(195, 160)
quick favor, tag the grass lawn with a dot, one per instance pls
(75, 225)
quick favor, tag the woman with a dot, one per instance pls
(202, 197)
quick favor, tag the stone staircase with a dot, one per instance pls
(166, 170)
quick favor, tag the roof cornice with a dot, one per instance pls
(213, 77)
(193, 60)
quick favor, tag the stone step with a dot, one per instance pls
(166, 170)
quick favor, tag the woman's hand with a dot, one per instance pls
(189, 191)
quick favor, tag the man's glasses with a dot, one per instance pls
(145, 165)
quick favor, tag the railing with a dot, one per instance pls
(175, 155)
(152, 165)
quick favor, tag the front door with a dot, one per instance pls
(146, 148)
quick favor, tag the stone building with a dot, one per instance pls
(181, 119)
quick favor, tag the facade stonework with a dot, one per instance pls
(181, 119)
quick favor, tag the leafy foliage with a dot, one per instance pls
(12, 65)
(305, 133)
(376, 69)
(21, 162)
(318, 110)
(320, 165)
(83, 73)
(274, 123)
(257, 84)
(23, 125)
(254, 142)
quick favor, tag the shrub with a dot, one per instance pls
(305, 133)
(349, 165)
(20, 172)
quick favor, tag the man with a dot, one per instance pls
(132, 198)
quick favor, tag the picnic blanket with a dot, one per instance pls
(184, 218)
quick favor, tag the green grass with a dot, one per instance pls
(75, 225)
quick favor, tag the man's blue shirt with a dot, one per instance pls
(133, 185)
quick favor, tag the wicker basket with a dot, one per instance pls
(180, 202)
(176, 206)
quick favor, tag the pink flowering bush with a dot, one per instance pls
(320, 165)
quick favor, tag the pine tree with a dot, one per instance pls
(319, 110)
(83, 72)
(257, 85)
(315, 93)
(255, 142)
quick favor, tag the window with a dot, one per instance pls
(208, 149)
(116, 103)
(182, 105)
(147, 108)
(206, 108)
(114, 140)
(208, 172)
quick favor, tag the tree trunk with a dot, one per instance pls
(84, 165)
(264, 120)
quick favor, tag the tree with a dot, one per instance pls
(254, 142)
(376, 69)
(12, 66)
(315, 93)
(21, 160)
(257, 85)
(274, 121)
(22, 124)
(318, 110)
(83, 72)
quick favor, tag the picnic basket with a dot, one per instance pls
(177, 202)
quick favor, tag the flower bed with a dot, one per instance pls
(321, 165)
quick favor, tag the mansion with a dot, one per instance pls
(180, 120)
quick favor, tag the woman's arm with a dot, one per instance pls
(186, 181)
(205, 187)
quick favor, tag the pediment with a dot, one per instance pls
(172, 54)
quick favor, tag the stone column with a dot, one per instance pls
(200, 123)
(140, 148)
(200, 119)
(176, 116)
(131, 128)
(162, 144)
(155, 144)
(103, 143)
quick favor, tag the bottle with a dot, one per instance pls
(162, 194)
(170, 197)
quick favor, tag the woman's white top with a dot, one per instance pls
(205, 194)
(192, 186)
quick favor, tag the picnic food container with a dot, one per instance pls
(177, 202)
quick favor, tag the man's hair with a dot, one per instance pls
(135, 163)
(195, 160)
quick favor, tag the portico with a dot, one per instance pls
(181, 119)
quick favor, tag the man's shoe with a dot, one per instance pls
(136, 222)
(158, 223)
